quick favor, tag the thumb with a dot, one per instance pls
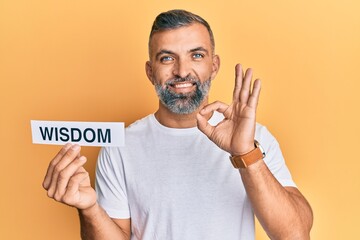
(203, 125)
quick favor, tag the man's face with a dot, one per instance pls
(182, 66)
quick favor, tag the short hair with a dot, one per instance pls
(177, 18)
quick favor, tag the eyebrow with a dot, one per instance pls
(201, 49)
(164, 51)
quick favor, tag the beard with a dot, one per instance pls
(183, 103)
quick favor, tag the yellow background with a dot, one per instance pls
(84, 61)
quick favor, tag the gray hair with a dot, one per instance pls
(178, 18)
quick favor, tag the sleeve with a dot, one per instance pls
(274, 158)
(110, 184)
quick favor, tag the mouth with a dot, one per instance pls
(182, 87)
(182, 84)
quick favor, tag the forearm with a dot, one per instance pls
(283, 213)
(97, 225)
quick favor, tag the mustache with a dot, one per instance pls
(180, 79)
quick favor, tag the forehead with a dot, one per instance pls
(181, 39)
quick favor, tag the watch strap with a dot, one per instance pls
(245, 160)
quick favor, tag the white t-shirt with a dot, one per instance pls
(177, 184)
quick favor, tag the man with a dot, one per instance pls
(174, 179)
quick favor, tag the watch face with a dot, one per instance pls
(257, 144)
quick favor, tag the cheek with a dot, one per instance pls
(161, 75)
(205, 73)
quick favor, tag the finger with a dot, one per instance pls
(238, 82)
(254, 97)
(245, 88)
(53, 163)
(65, 175)
(69, 156)
(205, 113)
(215, 106)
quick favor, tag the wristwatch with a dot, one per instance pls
(245, 160)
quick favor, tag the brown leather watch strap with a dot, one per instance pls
(245, 160)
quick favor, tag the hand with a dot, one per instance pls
(67, 181)
(235, 134)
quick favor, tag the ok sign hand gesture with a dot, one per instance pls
(235, 133)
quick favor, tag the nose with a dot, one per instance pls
(182, 68)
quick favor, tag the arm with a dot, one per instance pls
(283, 212)
(66, 181)
(96, 224)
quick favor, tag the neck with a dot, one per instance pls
(173, 120)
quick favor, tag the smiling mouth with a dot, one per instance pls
(180, 85)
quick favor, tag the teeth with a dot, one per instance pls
(182, 85)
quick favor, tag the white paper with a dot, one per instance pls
(82, 133)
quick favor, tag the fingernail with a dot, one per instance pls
(75, 147)
(67, 146)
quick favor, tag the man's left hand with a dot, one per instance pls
(235, 134)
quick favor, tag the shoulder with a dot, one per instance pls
(267, 141)
(263, 135)
(133, 135)
(140, 125)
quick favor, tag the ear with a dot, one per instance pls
(149, 72)
(215, 66)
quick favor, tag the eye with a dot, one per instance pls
(198, 56)
(166, 59)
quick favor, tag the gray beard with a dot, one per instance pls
(183, 103)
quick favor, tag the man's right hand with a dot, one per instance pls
(67, 181)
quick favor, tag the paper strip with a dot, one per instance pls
(82, 133)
